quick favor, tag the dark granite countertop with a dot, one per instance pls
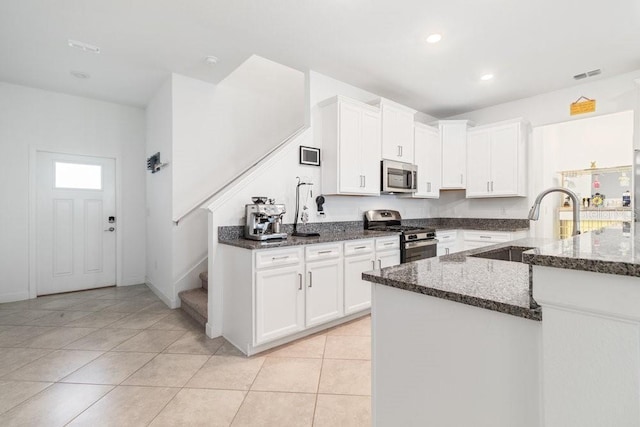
(613, 250)
(325, 237)
(502, 286)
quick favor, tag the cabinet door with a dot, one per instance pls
(357, 292)
(324, 293)
(387, 259)
(454, 148)
(504, 160)
(279, 303)
(397, 134)
(350, 179)
(428, 158)
(479, 163)
(368, 160)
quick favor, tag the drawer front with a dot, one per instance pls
(325, 251)
(487, 236)
(446, 236)
(278, 257)
(388, 243)
(358, 247)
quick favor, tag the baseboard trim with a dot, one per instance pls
(165, 299)
(14, 296)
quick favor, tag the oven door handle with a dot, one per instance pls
(411, 245)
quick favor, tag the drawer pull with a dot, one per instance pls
(300, 281)
(360, 247)
(275, 258)
(485, 237)
(389, 243)
(325, 252)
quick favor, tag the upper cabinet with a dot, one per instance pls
(427, 154)
(496, 160)
(351, 147)
(453, 138)
(397, 131)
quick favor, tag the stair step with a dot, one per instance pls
(204, 277)
(195, 303)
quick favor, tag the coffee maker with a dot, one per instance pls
(264, 220)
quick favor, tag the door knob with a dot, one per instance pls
(111, 229)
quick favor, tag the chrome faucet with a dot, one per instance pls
(534, 213)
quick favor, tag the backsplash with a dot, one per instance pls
(232, 232)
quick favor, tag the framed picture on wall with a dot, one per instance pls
(309, 156)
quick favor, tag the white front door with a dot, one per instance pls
(76, 224)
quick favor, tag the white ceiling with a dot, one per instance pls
(531, 46)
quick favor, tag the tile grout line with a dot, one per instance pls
(315, 406)
(247, 392)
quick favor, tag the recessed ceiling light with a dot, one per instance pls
(83, 46)
(486, 77)
(80, 75)
(210, 60)
(434, 38)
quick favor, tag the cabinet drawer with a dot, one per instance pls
(358, 247)
(487, 236)
(388, 243)
(446, 236)
(315, 252)
(265, 259)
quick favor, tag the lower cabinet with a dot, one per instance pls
(279, 298)
(272, 296)
(448, 242)
(324, 296)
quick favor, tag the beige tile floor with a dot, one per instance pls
(119, 356)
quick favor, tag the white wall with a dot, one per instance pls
(159, 239)
(34, 119)
(218, 131)
(613, 95)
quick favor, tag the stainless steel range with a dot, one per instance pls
(415, 242)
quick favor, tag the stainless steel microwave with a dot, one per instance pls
(398, 177)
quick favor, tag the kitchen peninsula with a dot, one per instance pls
(458, 340)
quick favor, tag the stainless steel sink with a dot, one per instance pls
(509, 253)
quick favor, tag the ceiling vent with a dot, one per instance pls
(587, 74)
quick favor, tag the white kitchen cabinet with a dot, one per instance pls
(387, 251)
(496, 160)
(324, 284)
(397, 131)
(448, 242)
(279, 299)
(476, 238)
(359, 256)
(428, 157)
(453, 138)
(350, 147)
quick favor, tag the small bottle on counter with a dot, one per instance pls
(626, 198)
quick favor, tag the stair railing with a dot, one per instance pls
(242, 174)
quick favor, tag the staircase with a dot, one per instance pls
(195, 301)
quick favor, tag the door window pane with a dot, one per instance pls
(75, 175)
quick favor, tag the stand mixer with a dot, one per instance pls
(264, 219)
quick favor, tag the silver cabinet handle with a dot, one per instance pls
(364, 180)
(275, 258)
(485, 237)
(399, 151)
(461, 178)
(487, 186)
(300, 281)
(373, 264)
(491, 186)
(379, 264)
(310, 279)
(446, 251)
(325, 252)
(110, 229)
(429, 187)
(360, 247)
(389, 243)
